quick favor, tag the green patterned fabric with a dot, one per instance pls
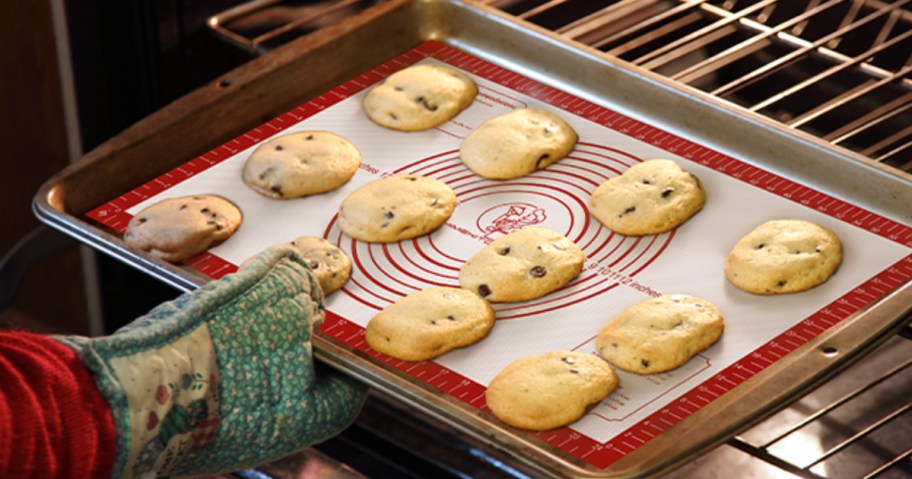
(222, 378)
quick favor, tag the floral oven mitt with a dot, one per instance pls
(222, 378)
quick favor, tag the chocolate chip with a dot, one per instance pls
(426, 104)
(504, 251)
(628, 211)
(574, 371)
(451, 317)
(538, 272)
(567, 359)
(276, 189)
(142, 220)
(314, 264)
(781, 283)
(389, 215)
(204, 210)
(647, 182)
(183, 207)
(279, 148)
(760, 246)
(397, 88)
(309, 137)
(484, 290)
(667, 192)
(645, 363)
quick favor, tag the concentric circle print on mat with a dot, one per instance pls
(554, 198)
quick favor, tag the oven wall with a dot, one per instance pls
(121, 61)
(130, 59)
(33, 139)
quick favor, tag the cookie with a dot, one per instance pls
(660, 334)
(179, 228)
(420, 97)
(549, 390)
(428, 323)
(651, 197)
(517, 143)
(396, 208)
(301, 164)
(784, 256)
(330, 265)
(523, 265)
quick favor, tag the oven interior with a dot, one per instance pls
(836, 70)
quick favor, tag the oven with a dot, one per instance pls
(831, 75)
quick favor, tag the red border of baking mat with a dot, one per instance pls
(113, 215)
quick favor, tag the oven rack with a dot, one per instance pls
(872, 446)
(261, 25)
(837, 69)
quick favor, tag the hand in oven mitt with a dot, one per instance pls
(222, 378)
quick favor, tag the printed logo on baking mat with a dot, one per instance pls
(509, 217)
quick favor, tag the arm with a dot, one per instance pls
(53, 420)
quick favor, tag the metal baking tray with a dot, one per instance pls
(308, 67)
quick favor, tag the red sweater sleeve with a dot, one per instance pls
(53, 420)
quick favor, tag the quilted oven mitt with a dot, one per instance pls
(222, 378)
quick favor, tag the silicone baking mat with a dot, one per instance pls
(619, 271)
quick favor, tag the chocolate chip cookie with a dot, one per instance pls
(175, 229)
(523, 265)
(649, 198)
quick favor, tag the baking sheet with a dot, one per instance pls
(619, 271)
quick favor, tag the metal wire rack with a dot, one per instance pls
(836, 69)
(858, 425)
(261, 25)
